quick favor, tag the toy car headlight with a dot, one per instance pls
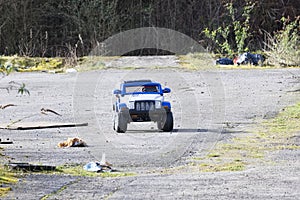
(131, 105)
(157, 104)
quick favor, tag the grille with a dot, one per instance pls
(144, 105)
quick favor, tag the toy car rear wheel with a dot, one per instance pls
(120, 123)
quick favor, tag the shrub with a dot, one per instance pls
(282, 48)
(239, 28)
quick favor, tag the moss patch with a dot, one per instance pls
(271, 135)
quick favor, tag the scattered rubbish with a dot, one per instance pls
(248, 58)
(72, 142)
(45, 111)
(7, 141)
(30, 167)
(224, 61)
(71, 70)
(93, 167)
(39, 125)
(102, 166)
(243, 59)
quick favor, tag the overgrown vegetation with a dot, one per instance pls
(71, 28)
(282, 48)
(5, 70)
(275, 134)
(239, 27)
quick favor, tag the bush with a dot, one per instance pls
(232, 35)
(282, 49)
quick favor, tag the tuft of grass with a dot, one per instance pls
(228, 166)
(213, 155)
(78, 170)
(6, 179)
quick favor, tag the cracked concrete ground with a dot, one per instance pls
(204, 103)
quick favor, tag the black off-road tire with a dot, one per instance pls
(120, 123)
(168, 125)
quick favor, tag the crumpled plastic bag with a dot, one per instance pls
(97, 167)
(102, 166)
(224, 61)
(92, 167)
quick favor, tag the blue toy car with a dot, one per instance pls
(141, 101)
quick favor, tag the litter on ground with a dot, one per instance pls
(39, 125)
(224, 61)
(102, 166)
(6, 141)
(30, 167)
(248, 58)
(243, 59)
(97, 167)
(72, 142)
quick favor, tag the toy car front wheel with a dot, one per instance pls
(120, 123)
(167, 123)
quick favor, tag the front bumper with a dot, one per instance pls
(146, 116)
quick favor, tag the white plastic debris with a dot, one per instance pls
(92, 167)
(71, 70)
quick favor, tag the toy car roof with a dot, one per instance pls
(134, 81)
(139, 82)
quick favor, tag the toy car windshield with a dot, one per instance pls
(148, 88)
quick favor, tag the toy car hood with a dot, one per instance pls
(146, 97)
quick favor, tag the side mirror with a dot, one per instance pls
(166, 90)
(117, 91)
